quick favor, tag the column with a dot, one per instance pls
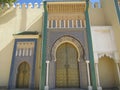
(97, 75)
(47, 71)
(88, 74)
(118, 70)
(117, 61)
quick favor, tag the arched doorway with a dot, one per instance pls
(107, 73)
(67, 69)
(23, 75)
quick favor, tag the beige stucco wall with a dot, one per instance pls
(107, 72)
(5, 62)
(103, 39)
(112, 19)
(38, 63)
(106, 15)
(100, 19)
(15, 20)
(96, 16)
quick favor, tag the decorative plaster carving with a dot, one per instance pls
(24, 48)
(117, 56)
(108, 54)
(114, 55)
(70, 40)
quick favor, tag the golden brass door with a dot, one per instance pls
(67, 71)
(23, 76)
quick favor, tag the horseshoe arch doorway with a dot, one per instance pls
(67, 67)
(23, 76)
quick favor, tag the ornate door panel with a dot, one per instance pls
(23, 76)
(67, 72)
(60, 67)
(73, 73)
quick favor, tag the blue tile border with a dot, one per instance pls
(11, 75)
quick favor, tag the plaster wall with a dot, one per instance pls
(107, 68)
(96, 16)
(111, 18)
(15, 20)
(5, 63)
(38, 63)
(103, 42)
(103, 39)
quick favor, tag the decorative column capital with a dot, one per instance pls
(117, 57)
(95, 55)
(96, 58)
(87, 61)
(47, 61)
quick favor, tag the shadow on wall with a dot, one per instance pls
(5, 63)
(9, 15)
(108, 73)
(23, 19)
(37, 25)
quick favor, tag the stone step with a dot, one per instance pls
(68, 89)
(111, 89)
(17, 89)
(59, 89)
(81, 89)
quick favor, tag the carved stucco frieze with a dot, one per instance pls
(114, 55)
(67, 39)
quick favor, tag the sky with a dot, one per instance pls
(38, 1)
